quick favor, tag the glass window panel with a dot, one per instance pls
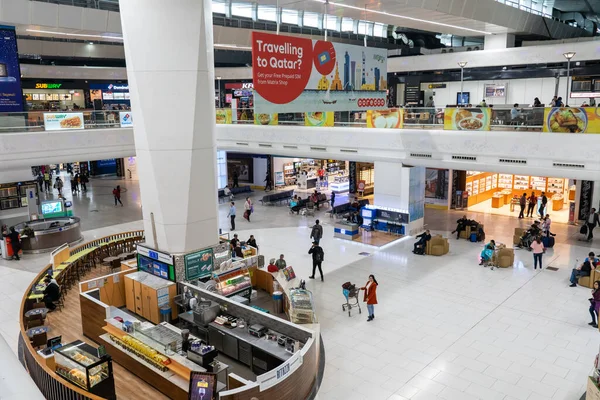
(331, 23)
(363, 28)
(289, 17)
(267, 13)
(347, 25)
(219, 7)
(241, 9)
(380, 30)
(311, 19)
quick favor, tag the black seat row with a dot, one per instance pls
(279, 197)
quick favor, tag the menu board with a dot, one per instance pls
(42, 96)
(36, 96)
(156, 268)
(199, 264)
(108, 96)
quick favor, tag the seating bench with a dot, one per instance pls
(279, 197)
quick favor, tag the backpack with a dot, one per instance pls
(319, 256)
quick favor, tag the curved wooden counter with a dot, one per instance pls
(50, 384)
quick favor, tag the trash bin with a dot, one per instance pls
(278, 302)
(165, 313)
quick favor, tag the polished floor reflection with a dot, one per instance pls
(445, 327)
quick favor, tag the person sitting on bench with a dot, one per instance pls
(461, 225)
(419, 247)
(584, 269)
(51, 294)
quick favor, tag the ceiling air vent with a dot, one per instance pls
(511, 161)
(242, 143)
(318, 148)
(567, 165)
(264, 145)
(464, 158)
(348, 151)
(289, 147)
(420, 155)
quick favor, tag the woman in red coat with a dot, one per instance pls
(370, 296)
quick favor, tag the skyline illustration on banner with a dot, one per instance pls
(293, 74)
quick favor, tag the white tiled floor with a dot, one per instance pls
(445, 327)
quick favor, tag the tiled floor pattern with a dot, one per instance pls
(445, 328)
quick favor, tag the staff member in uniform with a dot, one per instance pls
(370, 296)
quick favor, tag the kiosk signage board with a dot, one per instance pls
(294, 74)
(155, 262)
(199, 264)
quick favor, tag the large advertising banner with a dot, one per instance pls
(11, 96)
(266, 119)
(223, 115)
(319, 118)
(572, 120)
(63, 121)
(293, 74)
(467, 119)
(385, 119)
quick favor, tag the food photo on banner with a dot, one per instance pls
(11, 95)
(572, 120)
(319, 118)
(467, 119)
(392, 118)
(223, 115)
(266, 119)
(63, 121)
(293, 74)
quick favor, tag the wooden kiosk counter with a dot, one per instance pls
(128, 313)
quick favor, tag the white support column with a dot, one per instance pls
(400, 187)
(499, 41)
(169, 54)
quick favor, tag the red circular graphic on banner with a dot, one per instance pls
(281, 66)
(324, 57)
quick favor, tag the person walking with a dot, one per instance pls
(248, 209)
(532, 200)
(58, 185)
(47, 181)
(538, 250)
(595, 304)
(77, 182)
(318, 255)
(40, 182)
(84, 181)
(370, 296)
(543, 203)
(332, 199)
(117, 195)
(231, 215)
(268, 184)
(316, 232)
(591, 222)
(235, 179)
(522, 204)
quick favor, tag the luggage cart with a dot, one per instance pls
(350, 292)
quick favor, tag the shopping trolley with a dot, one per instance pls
(350, 292)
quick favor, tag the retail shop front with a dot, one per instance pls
(499, 193)
(54, 96)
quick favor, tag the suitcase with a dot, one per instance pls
(473, 237)
(548, 241)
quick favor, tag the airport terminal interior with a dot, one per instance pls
(299, 200)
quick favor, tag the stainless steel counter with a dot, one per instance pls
(50, 233)
(268, 346)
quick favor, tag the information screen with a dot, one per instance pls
(52, 207)
(157, 268)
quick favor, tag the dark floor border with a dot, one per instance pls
(320, 372)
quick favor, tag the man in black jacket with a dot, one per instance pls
(51, 294)
(15, 242)
(591, 222)
(318, 256)
(419, 247)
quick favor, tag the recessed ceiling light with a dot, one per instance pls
(401, 16)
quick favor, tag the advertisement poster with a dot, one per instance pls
(392, 118)
(293, 74)
(223, 115)
(198, 265)
(493, 90)
(266, 119)
(279, 178)
(125, 119)
(63, 121)
(572, 120)
(11, 96)
(467, 119)
(203, 386)
(319, 118)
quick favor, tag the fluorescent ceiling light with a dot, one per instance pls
(74, 34)
(401, 16)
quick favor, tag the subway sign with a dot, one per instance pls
(48, 85)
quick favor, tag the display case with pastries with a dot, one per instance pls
(232, 282)
(142, 350)
(301, 307)
(78, 363)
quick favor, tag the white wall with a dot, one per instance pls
(521, 91)
(260, 170)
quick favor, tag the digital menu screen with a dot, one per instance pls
(157, 268)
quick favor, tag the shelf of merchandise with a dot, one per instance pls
(469, 188)
(505, 181)
(538, 183)
(556, 185)
(521, 182)
(475, 188)
(494, 181)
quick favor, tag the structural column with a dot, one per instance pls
(170, 68)
(401, 187)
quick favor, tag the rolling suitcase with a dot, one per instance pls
(473, 237)
(548, 241)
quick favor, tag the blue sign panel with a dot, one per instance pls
(11, 95)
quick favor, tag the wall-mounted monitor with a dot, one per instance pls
(464, 99)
